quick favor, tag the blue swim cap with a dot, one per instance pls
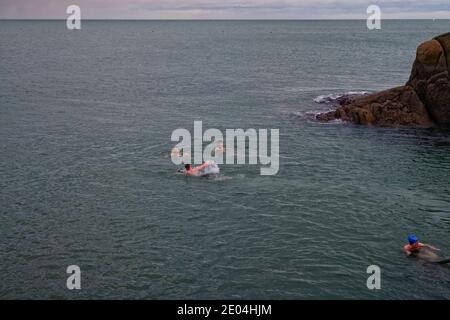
(412, 239)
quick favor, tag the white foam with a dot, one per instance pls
(327, 97)
(357, 93)
(334, 96)
(212, 168)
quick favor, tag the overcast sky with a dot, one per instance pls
(221, 9)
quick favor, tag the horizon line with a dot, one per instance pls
(205, 19)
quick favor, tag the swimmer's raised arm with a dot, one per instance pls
(194, 171)
(200, 167)
(431, 247)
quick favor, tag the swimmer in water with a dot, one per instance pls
(194, 171)
(219, 149)
(415, 248)
(177, 153)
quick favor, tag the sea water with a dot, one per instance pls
(86, 178)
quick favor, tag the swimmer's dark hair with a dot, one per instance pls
(187, 166)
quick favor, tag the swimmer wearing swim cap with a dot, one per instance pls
(177, 153)
(414, 246)
(219, 149)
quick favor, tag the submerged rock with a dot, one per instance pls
(423, 101)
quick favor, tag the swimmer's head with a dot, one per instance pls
(187, 167)
(175, 154)
(412, 239)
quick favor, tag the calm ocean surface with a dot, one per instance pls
(85, 177)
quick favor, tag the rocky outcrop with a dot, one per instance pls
(394, 107)
(437, 97)
(423, 101)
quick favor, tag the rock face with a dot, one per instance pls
(423, 101)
